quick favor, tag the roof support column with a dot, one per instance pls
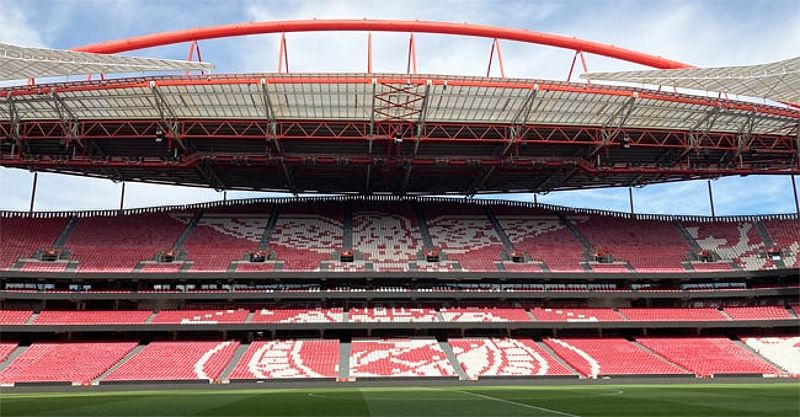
(168, 118)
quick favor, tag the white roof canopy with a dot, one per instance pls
(19, 63)
(779, 81)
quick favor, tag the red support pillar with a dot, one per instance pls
(369, 53)
(412, 55)
(572, 66)
(283, 56)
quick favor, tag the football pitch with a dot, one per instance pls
(696, 400)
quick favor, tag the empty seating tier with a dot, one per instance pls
(737, 242)
(22, 237)
(484, 314)
(782, 351)
(299, 315)
(6, 349)
(391, 314)
(708, 355)
(304, 236)
(786, 235)
(575, 314)
(386, 235)
(465, 234)
(398, 358)
(77, 363)
(610, 356)
(288, 359)
(92, 317)
(758, 313)
(200, 316)
(14, 316)
(176, 361)
(219, 238)
(672, 314)
(504, 357)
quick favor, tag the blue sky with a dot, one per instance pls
(703, 33)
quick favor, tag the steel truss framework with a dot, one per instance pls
(391, 133)
(395, 133)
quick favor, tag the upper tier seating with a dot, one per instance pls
(299, 315)
(176, 361)
(386, 234)
(465, 234)
(672, 314)
(786, 234)
(610, 356)
(14, 316)
(5, 349)
(22, 237)
(708, 355)
(649, 246)
(307, 234)
(398, 358)
(782, 351)
(504, 357)
(75, 362)
(484, 314)
(200, 316)
(391, 314)
(738, 242)
(219, 238)
(543, 236)
(289, 359)
(758, 313)
(118, 243)
(92, 317)
(575, 314)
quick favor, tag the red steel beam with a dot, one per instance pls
(370, 25)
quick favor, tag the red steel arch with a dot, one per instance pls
(366, 25)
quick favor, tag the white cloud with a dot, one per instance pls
(15, 26)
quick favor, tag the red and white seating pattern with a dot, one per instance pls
(289, 359)
(545, 238)
(15, 316)
(22, 237)
(200, 316)
(786, 234)
(118, 243)
(672, 314)
(391, 314)
(782, 351)
(468, 237)
(92, 317)
(303, 237)
(218, 239)
(176, 361)
(610, 356)
(398, 358)
(78, 363)
(738, 242)
(504, 357)
(649, 246)
(59, 266)
(388, 236)
(299, 315)
(712, 266)
(157, 267)
(758, 313)
(484, 314)
(522, 267)
(615, 267)
(708, 355)
(575, 314)
(5, 350)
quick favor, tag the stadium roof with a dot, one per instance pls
(18, 63)
(416, 134)
(778, 81)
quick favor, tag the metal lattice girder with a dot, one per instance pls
(170, 121)
(779, 81)
(19, 63)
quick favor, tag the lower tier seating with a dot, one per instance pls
(610, 356)
(200, 316)
(782, 351)
(672, 314)
(299, 315)
(14, 316)
(398, 358)
(708, 355)
(504, 357)
(758, 313)
(289, 359)
(176, 361)
(6, 349)
(74, 362)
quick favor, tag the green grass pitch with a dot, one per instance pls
(696, 400)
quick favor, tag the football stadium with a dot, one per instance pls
(389, 254)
